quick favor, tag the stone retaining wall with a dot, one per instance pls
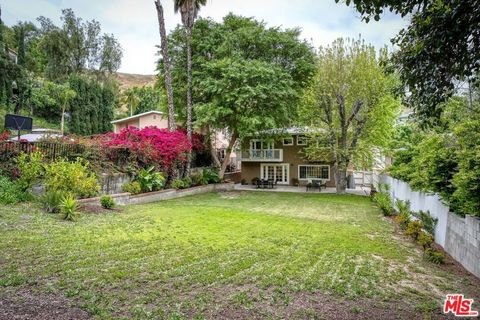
(128, 198)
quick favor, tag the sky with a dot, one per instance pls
(134, 22)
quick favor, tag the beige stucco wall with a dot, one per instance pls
(153, 120)
(141, 122)
(294, 156)
(117, 127)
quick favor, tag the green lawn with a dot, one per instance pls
(232, 255)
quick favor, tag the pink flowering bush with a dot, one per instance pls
(150, 146)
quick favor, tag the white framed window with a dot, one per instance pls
(288, 141)
(301, 140)
(257, 144)
(308, 171)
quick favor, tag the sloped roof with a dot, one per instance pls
(138, 116)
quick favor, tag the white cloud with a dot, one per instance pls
(134, 22)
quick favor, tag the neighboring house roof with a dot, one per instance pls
(292, 130)
(138, 116)
(38, 134)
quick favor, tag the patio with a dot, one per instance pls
(362, 191)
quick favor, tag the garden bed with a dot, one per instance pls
(126, 198)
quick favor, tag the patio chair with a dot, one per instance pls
(323, 184)
(272, 183)
(309, 185)
(316, 185)
(265, 183)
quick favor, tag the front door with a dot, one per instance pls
(275, 172)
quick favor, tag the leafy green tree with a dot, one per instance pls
(91, 110)
(149, 98)
(438, 48)
(444, 158)
(77, 47)
(130, 98)
(189, 11)
(251, 48)
(349, 107)
(65, 95)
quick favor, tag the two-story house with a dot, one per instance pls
(283, 160)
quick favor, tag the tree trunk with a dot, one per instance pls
(62, 121)
(233, 138)
(340, 179)
(172, 125)
(189, 94)
(213, 151)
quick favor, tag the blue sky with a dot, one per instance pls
(134, 22)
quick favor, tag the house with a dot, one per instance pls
(283, 160)
(142, 120)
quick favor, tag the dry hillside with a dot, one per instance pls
(129, 80)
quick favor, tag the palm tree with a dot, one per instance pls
(172, 125)
(130, 98)
(189, 10)
(65, 94)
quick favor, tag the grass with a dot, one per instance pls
(218, 254)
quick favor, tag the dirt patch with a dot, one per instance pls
(95, 209)
(306, 305)
(26, 304)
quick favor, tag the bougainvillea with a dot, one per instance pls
(151, 146)
(4, 136)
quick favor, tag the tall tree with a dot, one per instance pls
(172, 125)
(247, 77)
(189, 11)
(349, 107)
(78, 47)
(65, 95)
(438, 48)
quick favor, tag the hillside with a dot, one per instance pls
(129, 80)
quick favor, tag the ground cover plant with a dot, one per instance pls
(231, 255)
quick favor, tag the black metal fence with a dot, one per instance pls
(51, 150)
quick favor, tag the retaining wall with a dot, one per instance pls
(128, 198)
(460, 237)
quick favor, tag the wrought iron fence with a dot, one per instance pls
(51, 150)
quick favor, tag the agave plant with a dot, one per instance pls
(69, 208)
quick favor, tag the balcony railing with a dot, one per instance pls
(263, 155)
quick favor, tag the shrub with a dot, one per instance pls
(30, 169)
(51, 201)
(382, 199)
(150, 180)
(403, 220)
(107, 202)
(414, 228)
(434, 256)
(425, 240)
(69, 208)
(403, 207)
(429, 222)
(211, 176)
(404, 216)
(187, 182)
(198, 179)
(133, 187)
(177, 184)
(71, 177)
(151, 146)
(10, 192)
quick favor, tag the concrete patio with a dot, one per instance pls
(361, 191)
